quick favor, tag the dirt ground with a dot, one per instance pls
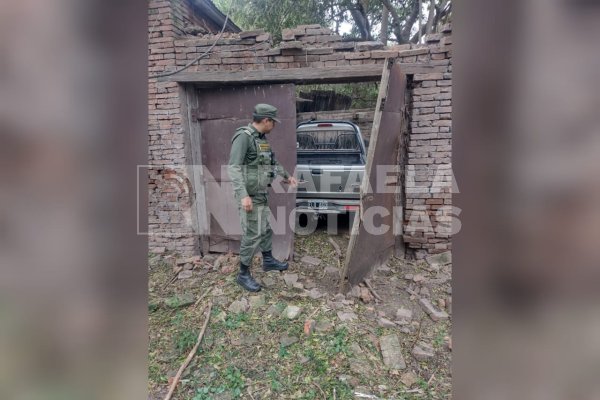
(333, 346)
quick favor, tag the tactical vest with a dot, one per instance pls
(258, 163)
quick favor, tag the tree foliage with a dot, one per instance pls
(274, 15)
(363, 17)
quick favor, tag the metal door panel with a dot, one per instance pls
(366, 251)
(220, 112)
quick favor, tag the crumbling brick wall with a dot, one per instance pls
(428, 171)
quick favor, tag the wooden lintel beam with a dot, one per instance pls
(354, 73)
(308, 75)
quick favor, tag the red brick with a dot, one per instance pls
(358, 55)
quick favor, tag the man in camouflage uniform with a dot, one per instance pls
(252, 168)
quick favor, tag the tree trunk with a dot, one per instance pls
(384, 25)
(430, 18)
(401, 38)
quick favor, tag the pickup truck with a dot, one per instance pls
(331, 163)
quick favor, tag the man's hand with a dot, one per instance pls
(291, 181)
(247, 204)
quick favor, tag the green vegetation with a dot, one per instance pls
(242, 353)
(361, 94)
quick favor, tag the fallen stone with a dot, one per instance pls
(384, 269)
(187, 274)
(440, 279)
(273, 311)
(422, 351)
(221, 300)
(257, 301)
(346, 316)
(440, 259)
(292, 312)
(315, 294)
(433, 313)
(188, 266)
(268, 282)
(217, 263)
(442, 303)
(298, 285)
(309, 326)
(409, 277)
(355, 291)
(334, 305)
(238, 306)
(183, 261)
(323, 326)
(409, 378)
(309, 284)
(365, 295)
(209, 258)
(332, 271)
(177, 269)
(303, 359)
(361, 367)
(286, 340)
(227, 269)
(391, 352)
(404, 314)
(310, 260)
(419, 278)
(290, 279)
(339, 297)
(386, 323)
(180, 300)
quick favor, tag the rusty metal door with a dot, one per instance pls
(219, 112)
(369, 248)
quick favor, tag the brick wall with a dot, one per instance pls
(428, 197)
(168, 212)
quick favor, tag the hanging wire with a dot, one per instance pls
(183, 68)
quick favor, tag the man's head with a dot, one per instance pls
(264, 117)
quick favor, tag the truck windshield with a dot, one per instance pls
(325, 140)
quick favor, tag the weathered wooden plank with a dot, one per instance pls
(291, 75)
(368, 249)
(342, 74)
(189, 101)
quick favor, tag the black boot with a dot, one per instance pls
(272, 264)
(246, 280)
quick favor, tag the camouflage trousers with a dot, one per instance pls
(256, 229)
